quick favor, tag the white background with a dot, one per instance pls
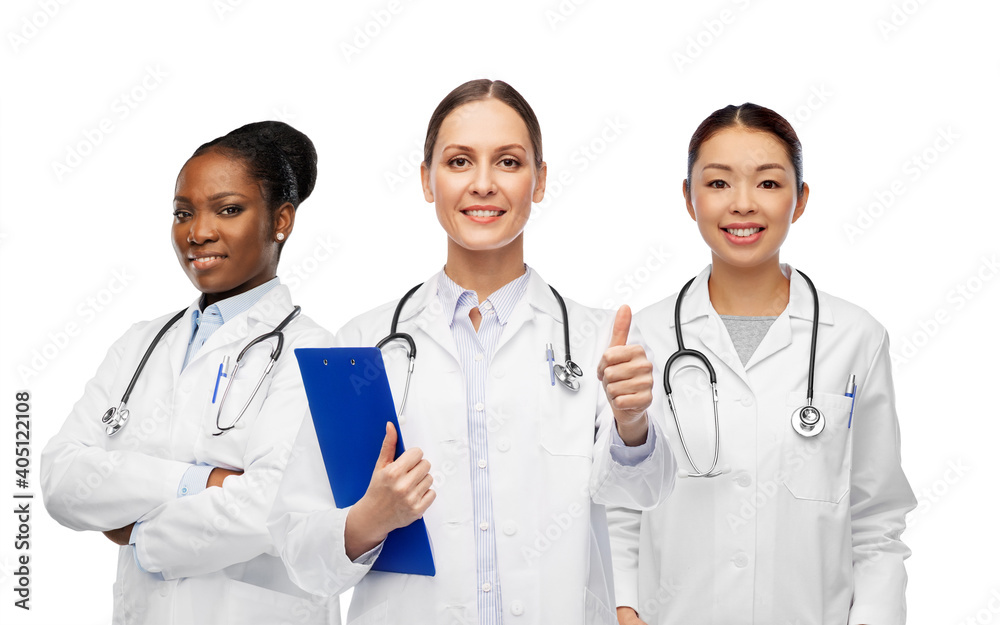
(628, 82)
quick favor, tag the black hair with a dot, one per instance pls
(752, 117)
(280, 158)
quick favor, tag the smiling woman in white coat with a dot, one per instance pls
(509, 469)
(798, 521)
(182, 471)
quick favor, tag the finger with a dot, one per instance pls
(629, 370)
(617, 354)
(632, 403)
(424, 485)
(619, 332)
(629, 387)
(388, 451)
(407, 460)
(426, 501)
(416, 474)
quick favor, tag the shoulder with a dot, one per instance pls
(306, 331)
(150, 327)
(657, 314)
(358, 330)
(851, 316)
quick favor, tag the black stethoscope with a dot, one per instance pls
(117, 418)
(808, 420)
(567, 374)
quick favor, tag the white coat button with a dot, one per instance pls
(743, 479)
(498, 373)
(479, 357)
(486, 587)
(484, 526)
(481, 464)
(503, 444)
(747, 400)
(516, 608)
(741, 560)
(480, 406)
(164, 589)
(509, 528)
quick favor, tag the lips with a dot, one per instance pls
(205, 261)
(743, 233)
(483, 214)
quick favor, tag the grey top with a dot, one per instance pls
(746, 333)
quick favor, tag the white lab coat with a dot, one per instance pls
(550, 478)
(801, 529)
(210, 556)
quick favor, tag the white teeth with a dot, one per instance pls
(482, 213)
(742, 232)
(206, 259)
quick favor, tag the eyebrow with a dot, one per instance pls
(759, 167)
(217, 196)
(465, 148)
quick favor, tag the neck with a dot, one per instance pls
(760, 291)
(485, 271)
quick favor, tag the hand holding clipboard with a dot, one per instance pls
(354, 415)
(399, 493)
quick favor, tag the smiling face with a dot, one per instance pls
(743, 196)
(223, 232)
(482, 179)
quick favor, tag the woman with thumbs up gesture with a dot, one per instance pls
(514, 444)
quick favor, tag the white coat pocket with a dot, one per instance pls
(376, 616)
(818, 468)
(241, 392)
(567, 421)
(247, 603)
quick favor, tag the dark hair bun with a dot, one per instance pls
(297, 148)
(279, 156)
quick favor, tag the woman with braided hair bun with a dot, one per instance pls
(182, 478)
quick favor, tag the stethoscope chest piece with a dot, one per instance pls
(808, 421)
(568, 375)
(115, 419)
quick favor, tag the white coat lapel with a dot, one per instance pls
(176, 339)
(425, 312)
(800, 307)
(537, 297)
(713, 334)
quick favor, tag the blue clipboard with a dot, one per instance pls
(350, 402)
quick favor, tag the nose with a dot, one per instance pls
(483, 183)
(202, 229)
(744, 202)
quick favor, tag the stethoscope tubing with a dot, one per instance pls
(571, 369)
(682, 352)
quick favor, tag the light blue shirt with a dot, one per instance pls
(475, 351)
(203, 325)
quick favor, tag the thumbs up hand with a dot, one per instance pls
(399, 493)
(627, 376)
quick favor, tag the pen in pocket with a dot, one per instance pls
(850, 392)
(223, 373)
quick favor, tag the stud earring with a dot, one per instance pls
(280, 236)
